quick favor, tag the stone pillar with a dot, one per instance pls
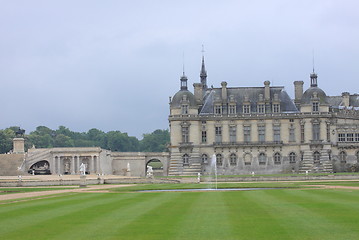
(78, 164)
(52, 165)
(73, 165)
(18, 145)
(92, 165)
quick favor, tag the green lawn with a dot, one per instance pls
(260, 214)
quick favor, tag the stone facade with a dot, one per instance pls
(262, 130)
(67, 161)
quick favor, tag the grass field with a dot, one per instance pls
(260, 214)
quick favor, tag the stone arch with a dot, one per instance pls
(157, 166)
(40, 168)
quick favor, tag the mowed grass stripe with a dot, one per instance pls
(298, 213)
(162, 222)
(59, 217)
(37, 202)
(336, 207)
(110, 224)
(251, 219)
(206, 218)
(22, 214)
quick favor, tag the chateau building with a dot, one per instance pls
(261, 129)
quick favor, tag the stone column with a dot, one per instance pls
(78, 165)
(73, 165)
(52, 165)
(92, 167)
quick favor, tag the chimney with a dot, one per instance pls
(345, 101)
(224, 91)
(266, 90)
(198, 92)
(298, 90)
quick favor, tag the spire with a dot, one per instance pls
(203, 74)
(313, 76)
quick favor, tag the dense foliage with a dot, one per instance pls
(44, 137)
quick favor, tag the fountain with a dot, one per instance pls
(213, 170)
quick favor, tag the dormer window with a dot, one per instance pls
(315, 107)
(276, 108)
(260, 108)
(218, 109)
(232, 109)
(184, 109)
(246, 108)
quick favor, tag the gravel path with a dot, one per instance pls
(90, 188)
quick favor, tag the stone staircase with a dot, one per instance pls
(9, 164)
(176, 168)
(307, 165)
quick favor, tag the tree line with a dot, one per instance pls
(44, 137)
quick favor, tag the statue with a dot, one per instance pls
(20, 132)
(83, 169)
(149, 172)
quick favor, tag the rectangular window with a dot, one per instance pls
(302, 133)
(260, 108)
(350, 137)
(185, 135)
(316, 131)
(276, 133)
(232, 109)
(232, 134)
(185, 109)
(357, 137)
(315, 107)
(276, 108)
(261, 133)
(218, 109)
(204, 136)
(341, 137)
(292, 134)
(247, 133)
(246, 109)
(218, 134)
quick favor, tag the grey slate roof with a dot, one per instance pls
(308, 94)
(336, 101)
(239, 93)
(177, 98)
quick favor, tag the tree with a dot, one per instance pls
(156, 141)
(6, 137)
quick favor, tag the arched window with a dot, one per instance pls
(343, 157)
(185, 159)
(204, 159)
(316, 157)
(233, 159)
(262, 159)
(219, 159)
(247, 159)
(292, 157)
(277, 158)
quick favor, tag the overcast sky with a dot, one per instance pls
(113, 64)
